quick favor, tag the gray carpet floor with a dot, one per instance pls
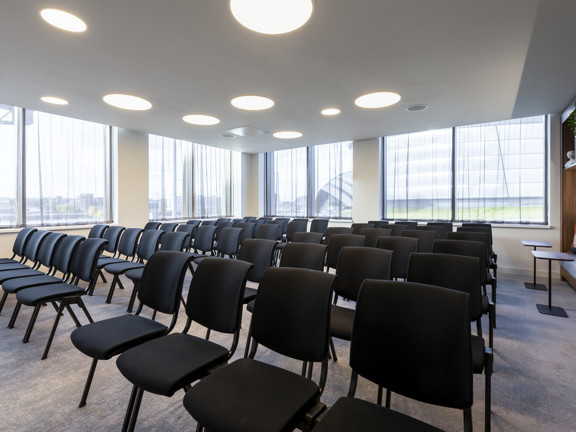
(534, 381)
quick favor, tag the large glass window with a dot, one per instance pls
(55, 170)
(212, 189)
(493, 172)
(310, 181)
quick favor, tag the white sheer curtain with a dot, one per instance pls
(67, 170)
(331, 180)
(501, 170)
(418, 175)
(212, 189)
(287, 178)
(9, 166)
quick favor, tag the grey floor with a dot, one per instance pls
(534, 382)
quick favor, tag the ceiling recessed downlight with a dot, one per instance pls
(272, 16)
(63, 20)
(252, 103)
(287, 134)
(127, 102)
(377, 100)
(330, 111)
(416, 108)
(54, 100)
(200, 119)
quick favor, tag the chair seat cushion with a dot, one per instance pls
(122, 267)
(7, 261)
(135, 274)
(249, 295)
(13, 266)
(105, 260)
(166, 364)
(341, 321)
(105, 339)
(20, 273)
(45, 293)
(233, 398)
(478, 351)
(15, 285)
(349, 414)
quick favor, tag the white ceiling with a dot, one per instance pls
(470, 61)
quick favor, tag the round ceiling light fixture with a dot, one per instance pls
(287, 134)
(330, 111)
(377, 100)
(54, 100)
(416, 108)
(63, 20)
(252, 103)
(200, 119)
(127, 102)
(272, 16)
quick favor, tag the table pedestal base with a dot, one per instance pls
(554, 310)
(533, 286)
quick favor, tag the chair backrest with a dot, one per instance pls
(440, 230)
(448, 225)
(247, 231)
(194, 222)
(410, 224)
(189, 229)
(204, 239)
(216, 294)
(228, 241)
(295, 226)
(152, 225)
(402, 247)
(97, 231)
(319, 225)
(175, 241)
(222, 220)
(457, 272)
(267, 231)
(249, 218)
(149, 243)
(379, 223)
(48, 248)
(358, 227)
(208, 222)
(34, 243)
(21, 239)
(304, 255)
(292, 313)
(258, 252)
(266, 219)
(466, 248)
(426, 239)
(372, 235)
(356, 264)
(129, 242)
(85, 258)
(481, 228)
(307, 237)
(65, 253)
(112, 236)
(337, 242)
(336, 230)
(284, 222)
(398, 229)
(280, 231)
(428, 330)
(475, 236)
(162, 279)
(168, 226)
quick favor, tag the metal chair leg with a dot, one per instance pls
(31, 324)
(135, 410)
(88, 383)
(129, 409)
(333, 350)
(53, 331)
(14, 315)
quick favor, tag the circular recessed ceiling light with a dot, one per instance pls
(287, 135)
(416, 108)
(272, 16)
(252, 103)
(54, 100)
(377, 100)
(200, 119)
(63, 20)
(127, 102)
(330, 111)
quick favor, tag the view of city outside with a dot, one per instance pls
(65, 175)
(500, 173)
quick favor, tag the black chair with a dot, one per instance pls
(204, 240)
(149, 243)
(307, 237)
(194, 222)
(434, 366)
(97, 231)
(379, 223)
(126, 251)
(267, 231)
(226, 245)
(402, 247)
(160, 290)
(355, 264)
(319, 226)
(249, 395)
(19, 246)
(259, 253)
(372, 235)
(284, 222)
(189, 229)
(336, 230)
(222, 220)
(448, 225)
(412, 225)
(168, 226)
(440, 230)
(112, 236)
(63, 295)
(247, 231)
(459, 273)
(336, 242)
(208, 222)
(152, 225)
(61, 264)
(425, 239)
(485, 227)
(296, 226)
(398, 229)
(164, 365)
(304, 255)
(30, 257)
(358, 227)
(249, 218)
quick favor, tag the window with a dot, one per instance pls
(494, 172)
(188, 180)
(310, 181)
(55, 170)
